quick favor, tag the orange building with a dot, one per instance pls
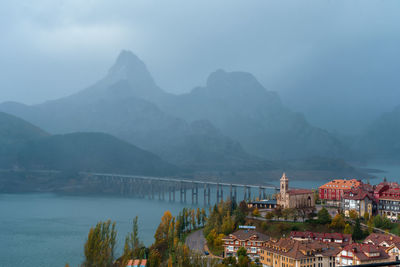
(333, 191)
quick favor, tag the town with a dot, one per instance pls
(361, 222)
(342, 223)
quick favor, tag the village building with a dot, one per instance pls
(250, 239)
(388, 196)
(360, 199)
(394, 251)
(382, 240)
(294, 198)
(333, 191)
(338, 238)
(294, 253)
(355, 254)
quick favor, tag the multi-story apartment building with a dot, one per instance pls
(249, 239)
(294, 253)
(355, 254)
(388, 196)
(338, 238)
(360, 199)
(333, 191)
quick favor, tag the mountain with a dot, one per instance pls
(15, 130)
(124, 104)
(26, 146)
(92, 152)
(237, 104)
(381, 139)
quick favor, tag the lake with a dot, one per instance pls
(49, 230)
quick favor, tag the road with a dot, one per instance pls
(196, 241)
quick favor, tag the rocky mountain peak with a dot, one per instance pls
(130, 67)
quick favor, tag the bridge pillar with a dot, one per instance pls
(259, 193)
(232, 193)
(218, 193)
(207, 194)
(151, 190)
(183, 192)
(195, 193)
(247, 193)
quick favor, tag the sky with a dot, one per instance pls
(337, 57)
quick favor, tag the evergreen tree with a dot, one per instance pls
(323, 216)
(357, 232)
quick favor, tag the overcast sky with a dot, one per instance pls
(52, 48)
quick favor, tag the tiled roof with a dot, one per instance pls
(244, 235)
(301, 249)
(321, 236)
(366, 252)
(341, 184)
(357, 194)
(378, 239)
(299, 191)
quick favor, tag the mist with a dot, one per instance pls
(318, 55)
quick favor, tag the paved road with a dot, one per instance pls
(196, 241)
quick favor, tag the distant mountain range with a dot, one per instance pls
(24, 146)
(231, 123)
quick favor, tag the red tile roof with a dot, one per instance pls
(367, 252)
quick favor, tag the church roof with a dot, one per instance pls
(299, 191)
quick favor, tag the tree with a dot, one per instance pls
(154, 258)
(256, 212)
(286, 213)
(357, 232)
(347, 229)
(203, 216)
(353, 214)
(241, 252)
(323, 216)
(278, 212)
(366, 216)
(198, 216)
(338, 222)
(269, 216)
(100, 245)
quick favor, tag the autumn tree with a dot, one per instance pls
(100, 246)
(347, 229)
(338, 222)
(353, 214)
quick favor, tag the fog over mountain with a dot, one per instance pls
(119, 104)
(334, 61)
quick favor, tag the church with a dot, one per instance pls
(294, 198)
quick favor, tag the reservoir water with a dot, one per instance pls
(49, 230)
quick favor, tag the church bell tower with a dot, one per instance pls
(284, 184)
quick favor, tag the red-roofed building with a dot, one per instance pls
(355, 254)
(361, 199)
(388, 196)
(333, 191)
(339, 238)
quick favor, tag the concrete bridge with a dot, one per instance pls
(147, 186)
